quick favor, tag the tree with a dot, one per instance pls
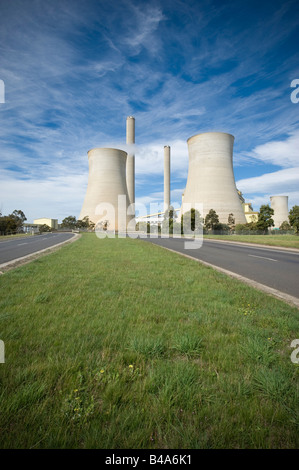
(245, 229)
(265, 218)
(12, 223)
(294, 218)
(19, 218)
(69, 222)
(194, 217)
(212, 220)
(231, 221)
(85, 223)
(285, 226)
(44, 228)
(169, 219)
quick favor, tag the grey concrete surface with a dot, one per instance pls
(13, 249)
(272, 267)
(211, 180)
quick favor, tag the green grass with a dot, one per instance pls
(121, 344)
(287, 241)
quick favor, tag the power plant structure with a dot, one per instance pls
(110, 196)
(211, 180)
(106, 182)
(281, 212)
(166, 177)
(130, 167)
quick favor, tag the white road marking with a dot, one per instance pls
(253, 246)
(263, 257)
(19, 244)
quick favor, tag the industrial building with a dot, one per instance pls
(250, 214)
(106, 182)
(281, 212)
(52, 223)
(210, 182)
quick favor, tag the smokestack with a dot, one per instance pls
(281, 212)
(211, 180)
(130, 167)
(166, 177)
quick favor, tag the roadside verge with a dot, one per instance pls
(28, 258)
(293, 301)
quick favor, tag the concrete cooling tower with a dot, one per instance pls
(281, 212)
(106, 181)
(211, 179)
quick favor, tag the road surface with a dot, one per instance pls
(269, 266)
(12, 249)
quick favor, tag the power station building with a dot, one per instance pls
(110, 196)
(281, 212)
(106, 182)
(52, 223)
(211, 180)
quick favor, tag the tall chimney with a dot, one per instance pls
(130, 167)
(166, 177)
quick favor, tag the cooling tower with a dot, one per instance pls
(130, 171)
(211, 179)
(166, 177)
(280, 206)
(106, 182)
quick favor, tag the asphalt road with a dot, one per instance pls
(272, 267)
(17, 248)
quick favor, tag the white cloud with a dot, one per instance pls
(259, 189)
(284, 153)
(55, 197)
(142, 32)
(150, 158)
(279, 181)
(181, 87)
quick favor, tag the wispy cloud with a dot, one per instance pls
(74, 71)
(142, 32)
(284, 153)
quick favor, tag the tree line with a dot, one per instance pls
(12, 223)
(71, 222)
(211, 223)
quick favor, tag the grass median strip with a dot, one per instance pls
(284, 241)
(121, 344)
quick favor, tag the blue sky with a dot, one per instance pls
(74, 70)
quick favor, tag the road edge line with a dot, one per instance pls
(289, 299)
(275, 247)
(32, 256)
